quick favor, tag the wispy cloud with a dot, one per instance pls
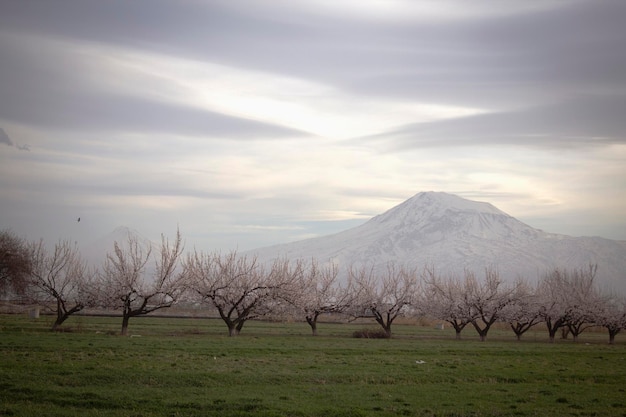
(582, 121)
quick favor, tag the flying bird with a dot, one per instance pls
(78, 220)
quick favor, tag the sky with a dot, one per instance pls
(253, 123)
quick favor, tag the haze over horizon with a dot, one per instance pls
(248, 125)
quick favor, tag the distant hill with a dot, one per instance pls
(453, 234)
(95, 252)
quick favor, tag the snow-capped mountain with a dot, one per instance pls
(453, 234)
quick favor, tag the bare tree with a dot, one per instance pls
(612, 315)
(387, 296)
(583, 299)
(237, 286)
(486, 299)
(566, 298)
(125, 284)
(61, 277)
(317, 291)
(14, 264)
(553, 302)
(447, 300)
(522, 313)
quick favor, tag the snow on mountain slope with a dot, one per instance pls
(453, 234)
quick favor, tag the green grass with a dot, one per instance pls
(189, 367)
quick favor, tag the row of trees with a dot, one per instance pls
(566, 300)
(126, 281)
(137, 279)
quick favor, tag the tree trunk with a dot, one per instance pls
(234, 324)
(59, 321)
(125, 321)
(387, 330)
(458, 327)
(386, 325)
(63, 313)
(519, 328)
(553, 328)
(482, 333)
(234, 327)
(552, 334)
(313, 323)
(577, 328)
(612, 333)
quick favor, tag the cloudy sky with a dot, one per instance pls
(257, 122)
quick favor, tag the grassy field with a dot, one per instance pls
(189, 367)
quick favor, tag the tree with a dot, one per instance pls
(553, 303)
(317, 291)
(237, 286)
(522, 312)
(447, 300)
(582, 298)
(125, 284)
(612, 315)
(567, 300)
(486, 300)
(386, 297)
(60, 276)
(14, 264)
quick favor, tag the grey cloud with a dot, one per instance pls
(583, 121)
(43, 95)
(494, 61)
(4, 138)
(144, 187)
(530, 58)
(480, 61)
(128, 183)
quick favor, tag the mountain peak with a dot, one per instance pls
(440, 201)
(432, 215)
